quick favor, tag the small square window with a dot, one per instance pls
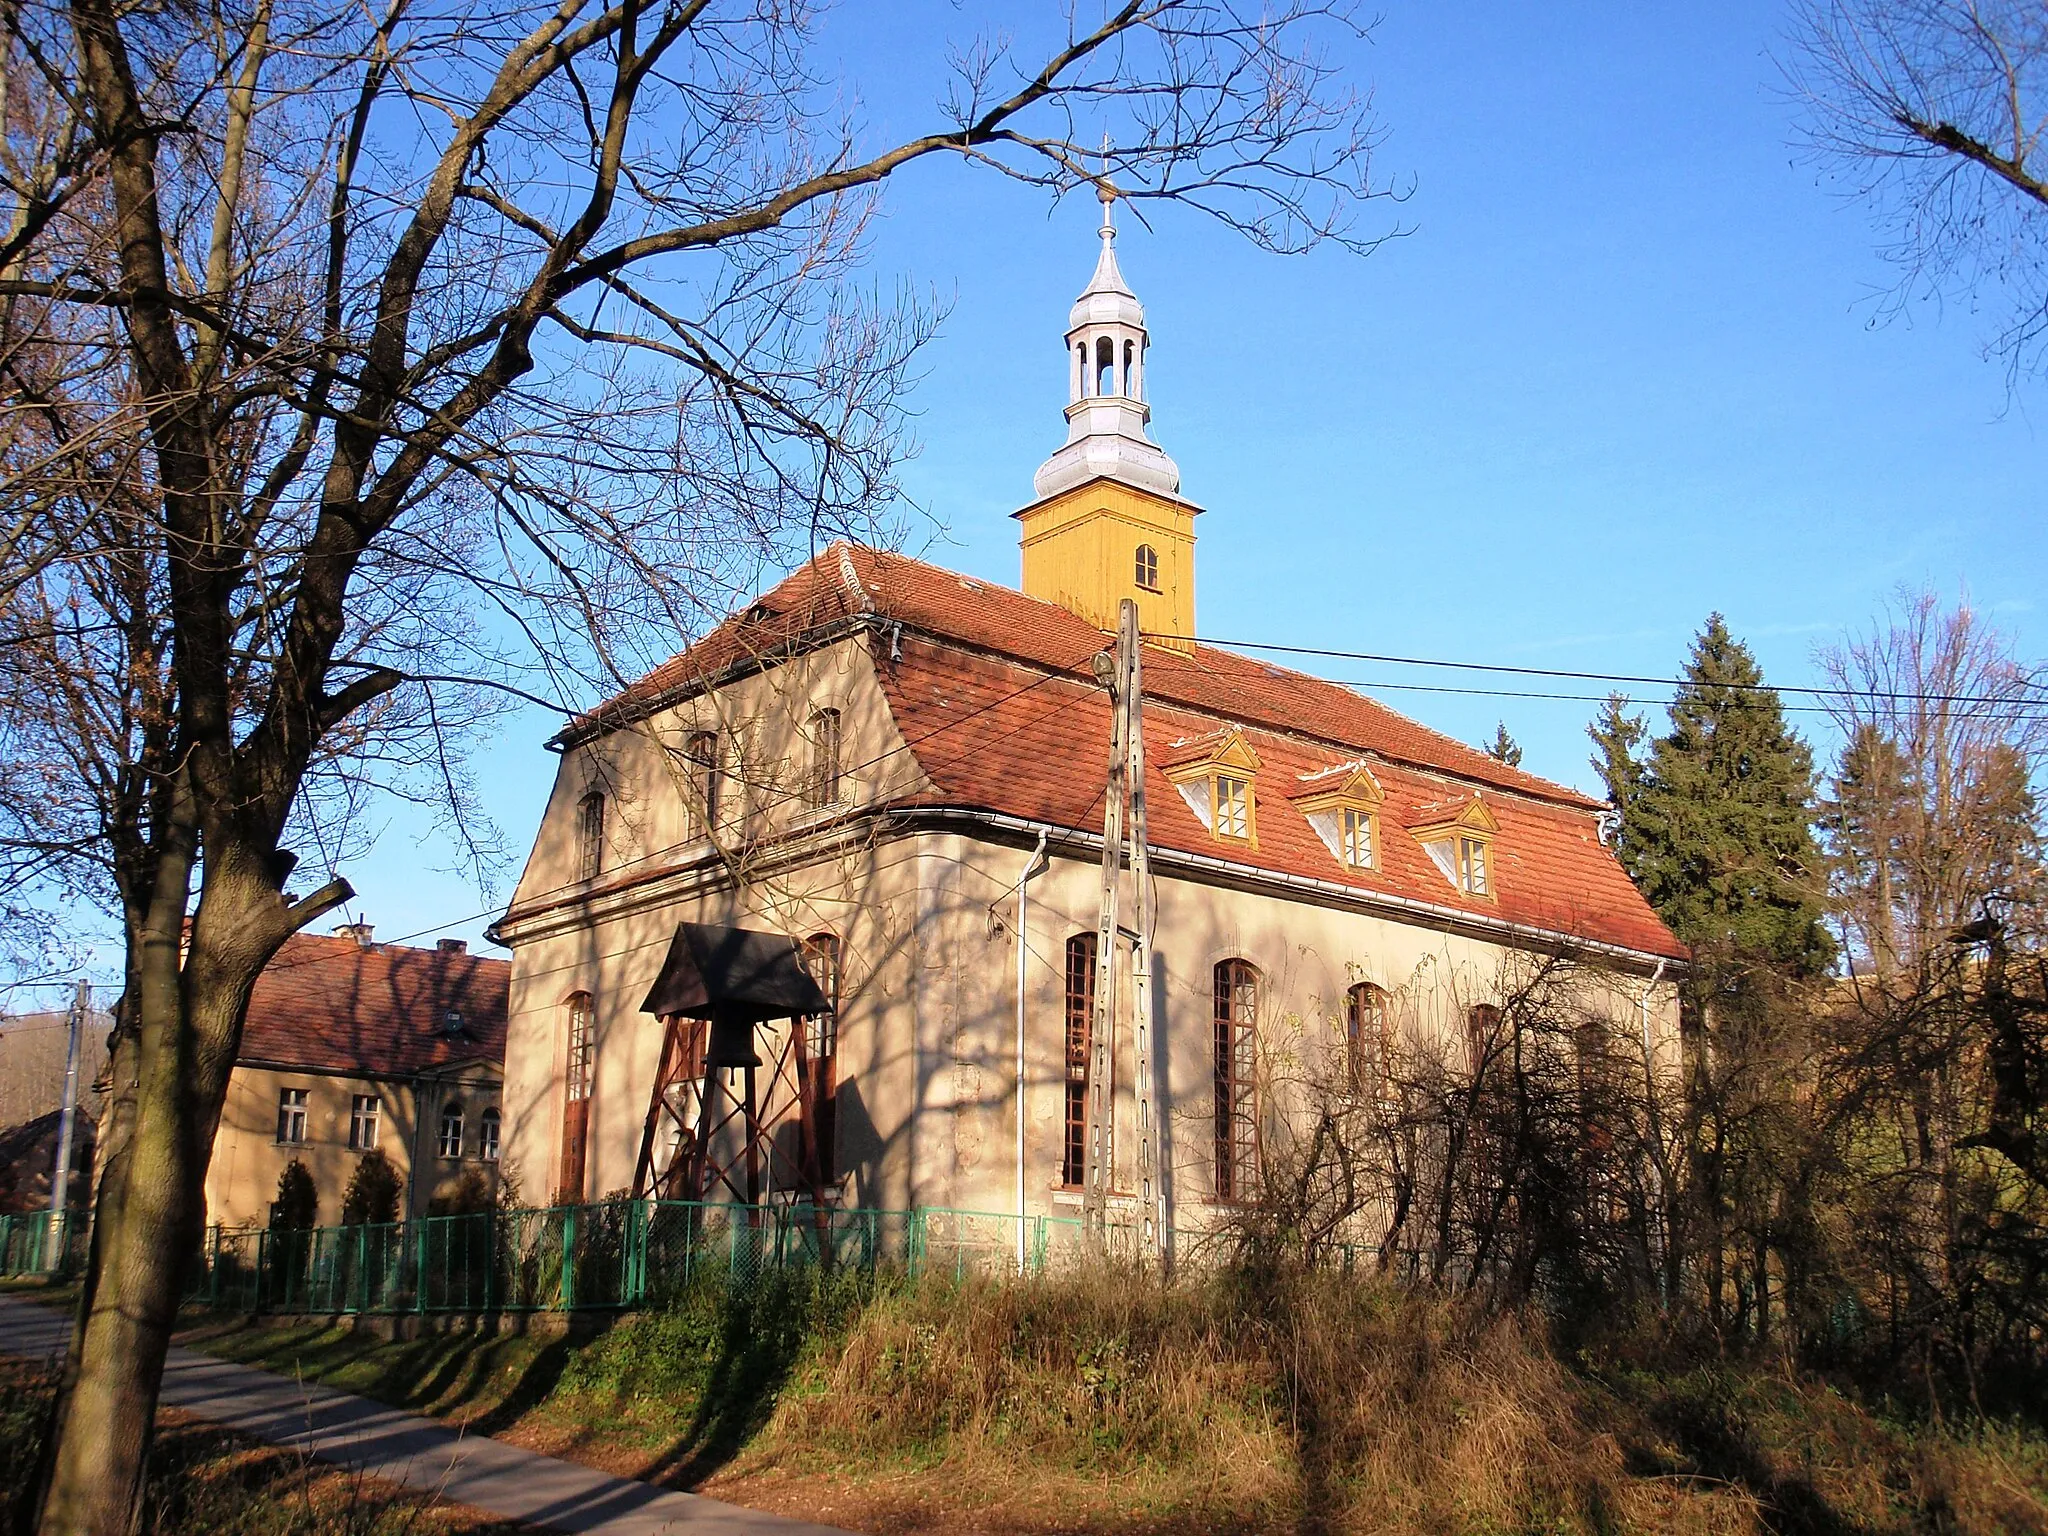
(364, 1113)
(1233, 807)
(291, 1116)
(1357, 838)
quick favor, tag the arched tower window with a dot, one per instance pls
(578, 1060)
(1148, 567)
(1105, 366)
(1237, 1090)
(1368, 1037)
(1131, 369)
(590, 836)
(822, 787)
(1080, 1020)
(1080, 370)
(818, 1071)
(704, 786)
(1482, 1027)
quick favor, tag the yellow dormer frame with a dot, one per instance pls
(1331, 807)
(1461, 845)
(1223, 777)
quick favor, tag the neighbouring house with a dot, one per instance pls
(875, 760)
(353, 1046)
(33, 1048)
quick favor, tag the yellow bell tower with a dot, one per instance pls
(1108, 521)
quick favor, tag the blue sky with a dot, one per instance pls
(1622, 371)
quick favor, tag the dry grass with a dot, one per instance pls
(1108, 1403)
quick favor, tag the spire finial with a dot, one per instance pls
(1105, 189)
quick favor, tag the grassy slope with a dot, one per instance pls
(1104, 1404)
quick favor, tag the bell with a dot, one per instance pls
(732, 1043)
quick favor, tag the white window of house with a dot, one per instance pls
(487, 1135)
(364, 1112)
(1233, 807)
(291, 1116)
(451, 1131)
(1471, 866)
(1357, 837)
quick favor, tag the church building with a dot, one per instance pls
(898, 772)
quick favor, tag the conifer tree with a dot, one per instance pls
(1717, 819)
(1504, 748)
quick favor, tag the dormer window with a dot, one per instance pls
(1233, 806)
(1216, 774)
(1148, 568)
(1342, 806)
(1469, 873)
(1458, 836)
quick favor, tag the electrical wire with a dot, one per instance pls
(1892, 694)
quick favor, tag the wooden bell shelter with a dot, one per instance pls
(718, 990)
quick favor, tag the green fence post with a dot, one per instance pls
(566, 1294)
(419, 1266)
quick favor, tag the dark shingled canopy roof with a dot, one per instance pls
(737, 973)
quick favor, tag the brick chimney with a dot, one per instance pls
(360, 932)
(452, 946)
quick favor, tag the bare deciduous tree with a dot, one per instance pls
(1934, 111)
(363, 362)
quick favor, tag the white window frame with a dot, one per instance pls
(451, 1114)
(292, 1117)
(365, 1116)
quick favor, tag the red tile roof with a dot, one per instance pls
(327, 1004)
(994, 694)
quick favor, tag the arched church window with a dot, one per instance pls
(1105, 366)
(1237, 1091)
(1080, 1016)
(590, 836)
(1131, 369)
(1148, 567)
(1081, 369)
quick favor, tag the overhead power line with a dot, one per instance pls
(2034, 693)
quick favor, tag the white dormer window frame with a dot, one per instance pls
(1219, 782)
(1343, 809)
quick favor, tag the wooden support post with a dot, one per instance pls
(1114, 671)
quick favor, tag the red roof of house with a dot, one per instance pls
(993, 692)
(328, 1004)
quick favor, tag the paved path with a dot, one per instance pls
(404, 1448)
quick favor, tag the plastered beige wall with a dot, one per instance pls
(241, 1179)
(927, 922)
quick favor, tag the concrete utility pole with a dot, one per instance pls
(1113, 670)
(1151, 1220)
(60, 1176)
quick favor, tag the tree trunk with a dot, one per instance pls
(187, 1012)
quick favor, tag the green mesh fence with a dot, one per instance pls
(614, 1254)
(37, 1243)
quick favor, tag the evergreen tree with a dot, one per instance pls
(1504, 748)
(298, 1199)
(1618, 737)
(1717, 820)
(372, 1197)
